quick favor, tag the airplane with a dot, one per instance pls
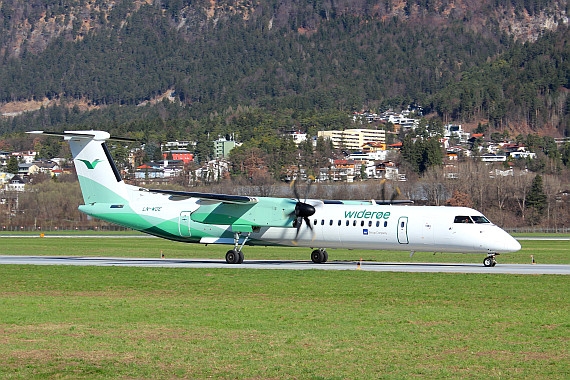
(206, 218)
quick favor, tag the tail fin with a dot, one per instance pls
(99, 178)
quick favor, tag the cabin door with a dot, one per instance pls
(184, 224)
(403, 230)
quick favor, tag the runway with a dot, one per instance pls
(288, 264)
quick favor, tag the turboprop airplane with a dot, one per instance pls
(239, 220)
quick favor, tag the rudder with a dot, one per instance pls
(98, 176)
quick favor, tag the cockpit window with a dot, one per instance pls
(462, 219)
(480, 219)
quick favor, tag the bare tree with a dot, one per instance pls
(433, 184)
(521, 186)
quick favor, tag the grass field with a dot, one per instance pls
(108, 322)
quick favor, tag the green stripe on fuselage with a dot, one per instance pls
(269, 212)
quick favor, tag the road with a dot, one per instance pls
(287, 264)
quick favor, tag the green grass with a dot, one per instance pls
(545, 252)
(90, 322)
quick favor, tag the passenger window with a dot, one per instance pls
(369, 223)
(362, 224)
(315, 222)
(354, 223)
(480, 219)
(322, 222)
(386, 224)
(330, 222)
(377, 223)
(462, 219)
(339, 222)
(347, 222)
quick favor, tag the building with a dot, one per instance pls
(211, 171)
(493, 158)
(354, 139)
(5, 178)
(27, 157)
(17, 183)
(179, 154)
(373, 146)
(298, 137)
(222, 147)
(522, 154)
(457, 132)
(177, 145)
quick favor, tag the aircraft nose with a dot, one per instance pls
(512, 244)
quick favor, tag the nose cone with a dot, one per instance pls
(500, 241)
(512, 244)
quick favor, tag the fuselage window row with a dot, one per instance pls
(347, 223)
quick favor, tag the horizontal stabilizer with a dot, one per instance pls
(223, 198)
(96, 135)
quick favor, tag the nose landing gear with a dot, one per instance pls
(490, 261)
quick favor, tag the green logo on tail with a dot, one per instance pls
(90, 165)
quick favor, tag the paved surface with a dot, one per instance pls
(49, 235)
(287, 264)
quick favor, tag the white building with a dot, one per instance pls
(522, 154)
(380, 155)
(493, 158)
(26, 157)
(456, 131)
(212, 171)
(174, 145)
(298, 137)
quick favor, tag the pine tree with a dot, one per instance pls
(12, 166)
(536, 200)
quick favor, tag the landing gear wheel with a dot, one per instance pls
(319, 256)
(489, 261)
(232, 257)
(240, 259)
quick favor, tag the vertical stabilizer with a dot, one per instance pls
(99, 178)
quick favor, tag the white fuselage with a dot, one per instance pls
(406, 228)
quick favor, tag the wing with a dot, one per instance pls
(223, 198)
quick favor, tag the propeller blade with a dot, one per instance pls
(295, 191)
(395, 194)
(303, 210)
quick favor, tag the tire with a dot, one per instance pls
(240, 257)
(488, 261)
(317, 256)
(232, 257)
(325, 256)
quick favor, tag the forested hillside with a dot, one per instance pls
(467, 60)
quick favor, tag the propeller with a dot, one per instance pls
(395, 194)
(303, 210)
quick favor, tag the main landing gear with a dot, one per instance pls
(235, 256)
(319, 256)
(490, 261)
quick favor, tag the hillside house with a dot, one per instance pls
(17, 183)
(179, 154)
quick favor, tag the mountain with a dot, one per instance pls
(286, 54)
